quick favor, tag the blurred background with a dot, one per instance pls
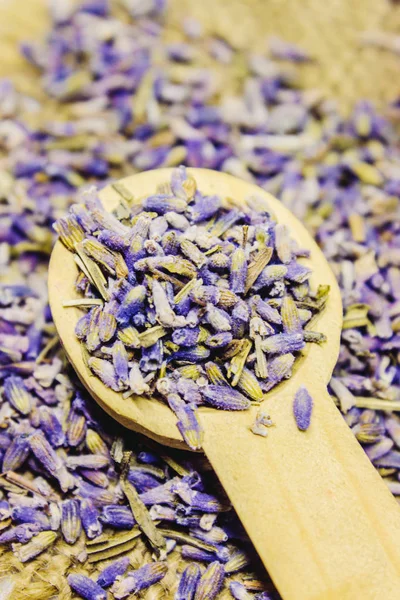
(331, 30)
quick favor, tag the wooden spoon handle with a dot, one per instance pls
(319, 515)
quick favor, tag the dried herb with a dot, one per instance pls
(338, 175)
(140, 512)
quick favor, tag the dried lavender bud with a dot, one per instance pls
(24, 514)
(193, 553)
(139, 580)
(218, 318)
(198, 500)
(219, 340)
(95, 443)
(52, 427)
(36, 546)
(248, 383)
(187, 423)
(119, 517)
(17, 394)
(211, 582)
(238, 591)
(188, 582)
(203, 207)
(182, 184)
(70, 521)
(238, 560)
(17, 453)
(90, 519)
(225, 398)
(108, 575)
(283, 343)
(162, 204)
(238, 271)
(186, 336)
(132, 303)
(45, 453)
(302, 408)
(86, 588)
(267, 312)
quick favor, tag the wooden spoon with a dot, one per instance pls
(320, 517)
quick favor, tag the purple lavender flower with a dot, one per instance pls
(131, 305)
(17, 394)
(152, 357)
(188, 582)
(211, 582)
(17, 453)
(24, 514)
(198, 500)
(90, 519)
(186, 336)
(70, 521)
(52, 427)
(302, 408)
(139, 580)
(141, 480)
(193, 553)
(238, 271)
(108, 575)
(191, 354)
(239, 591)
(42, 450)
(203, 207)
(86, 588)
(21, 533)
(117, 516)
(76, 427)
(283, 343)
(225, 398)
(162, 203)
(187, 423)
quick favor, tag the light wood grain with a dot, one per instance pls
(319, 515)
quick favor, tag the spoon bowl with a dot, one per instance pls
(321, 519)
(150, 416)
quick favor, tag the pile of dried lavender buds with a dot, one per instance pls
(194, 298)
(129, 100)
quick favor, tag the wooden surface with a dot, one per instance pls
(320, 517)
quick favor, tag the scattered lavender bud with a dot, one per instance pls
(90, 519)
(139, 580)
(17, 394)
(119, 517)
(224, 397)
(86, 588)
(70, 520)
(108, 575)
(238, 591)
(36, 546)
(17, 453)
(210, 582)
(188, 582)
(302, 408)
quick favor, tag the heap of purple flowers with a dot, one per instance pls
(201, 301)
